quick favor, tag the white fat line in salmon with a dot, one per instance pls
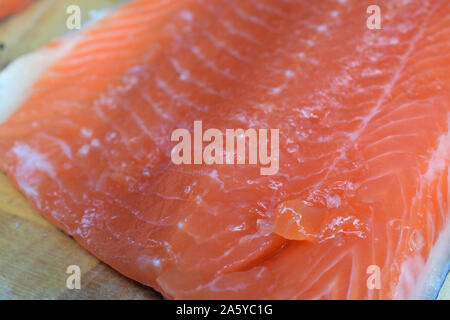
(213, 153)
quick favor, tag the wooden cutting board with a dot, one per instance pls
(34, 255)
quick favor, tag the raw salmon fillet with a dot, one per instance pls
(9, 7)
(364, 118)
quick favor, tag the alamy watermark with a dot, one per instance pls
(229, 150)
(374, 280)
(74, 280)
(74, 20)
(374, 20)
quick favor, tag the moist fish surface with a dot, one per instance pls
(363, 117)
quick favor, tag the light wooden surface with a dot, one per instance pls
(34, 255)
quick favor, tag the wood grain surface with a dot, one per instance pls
(34, 255)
